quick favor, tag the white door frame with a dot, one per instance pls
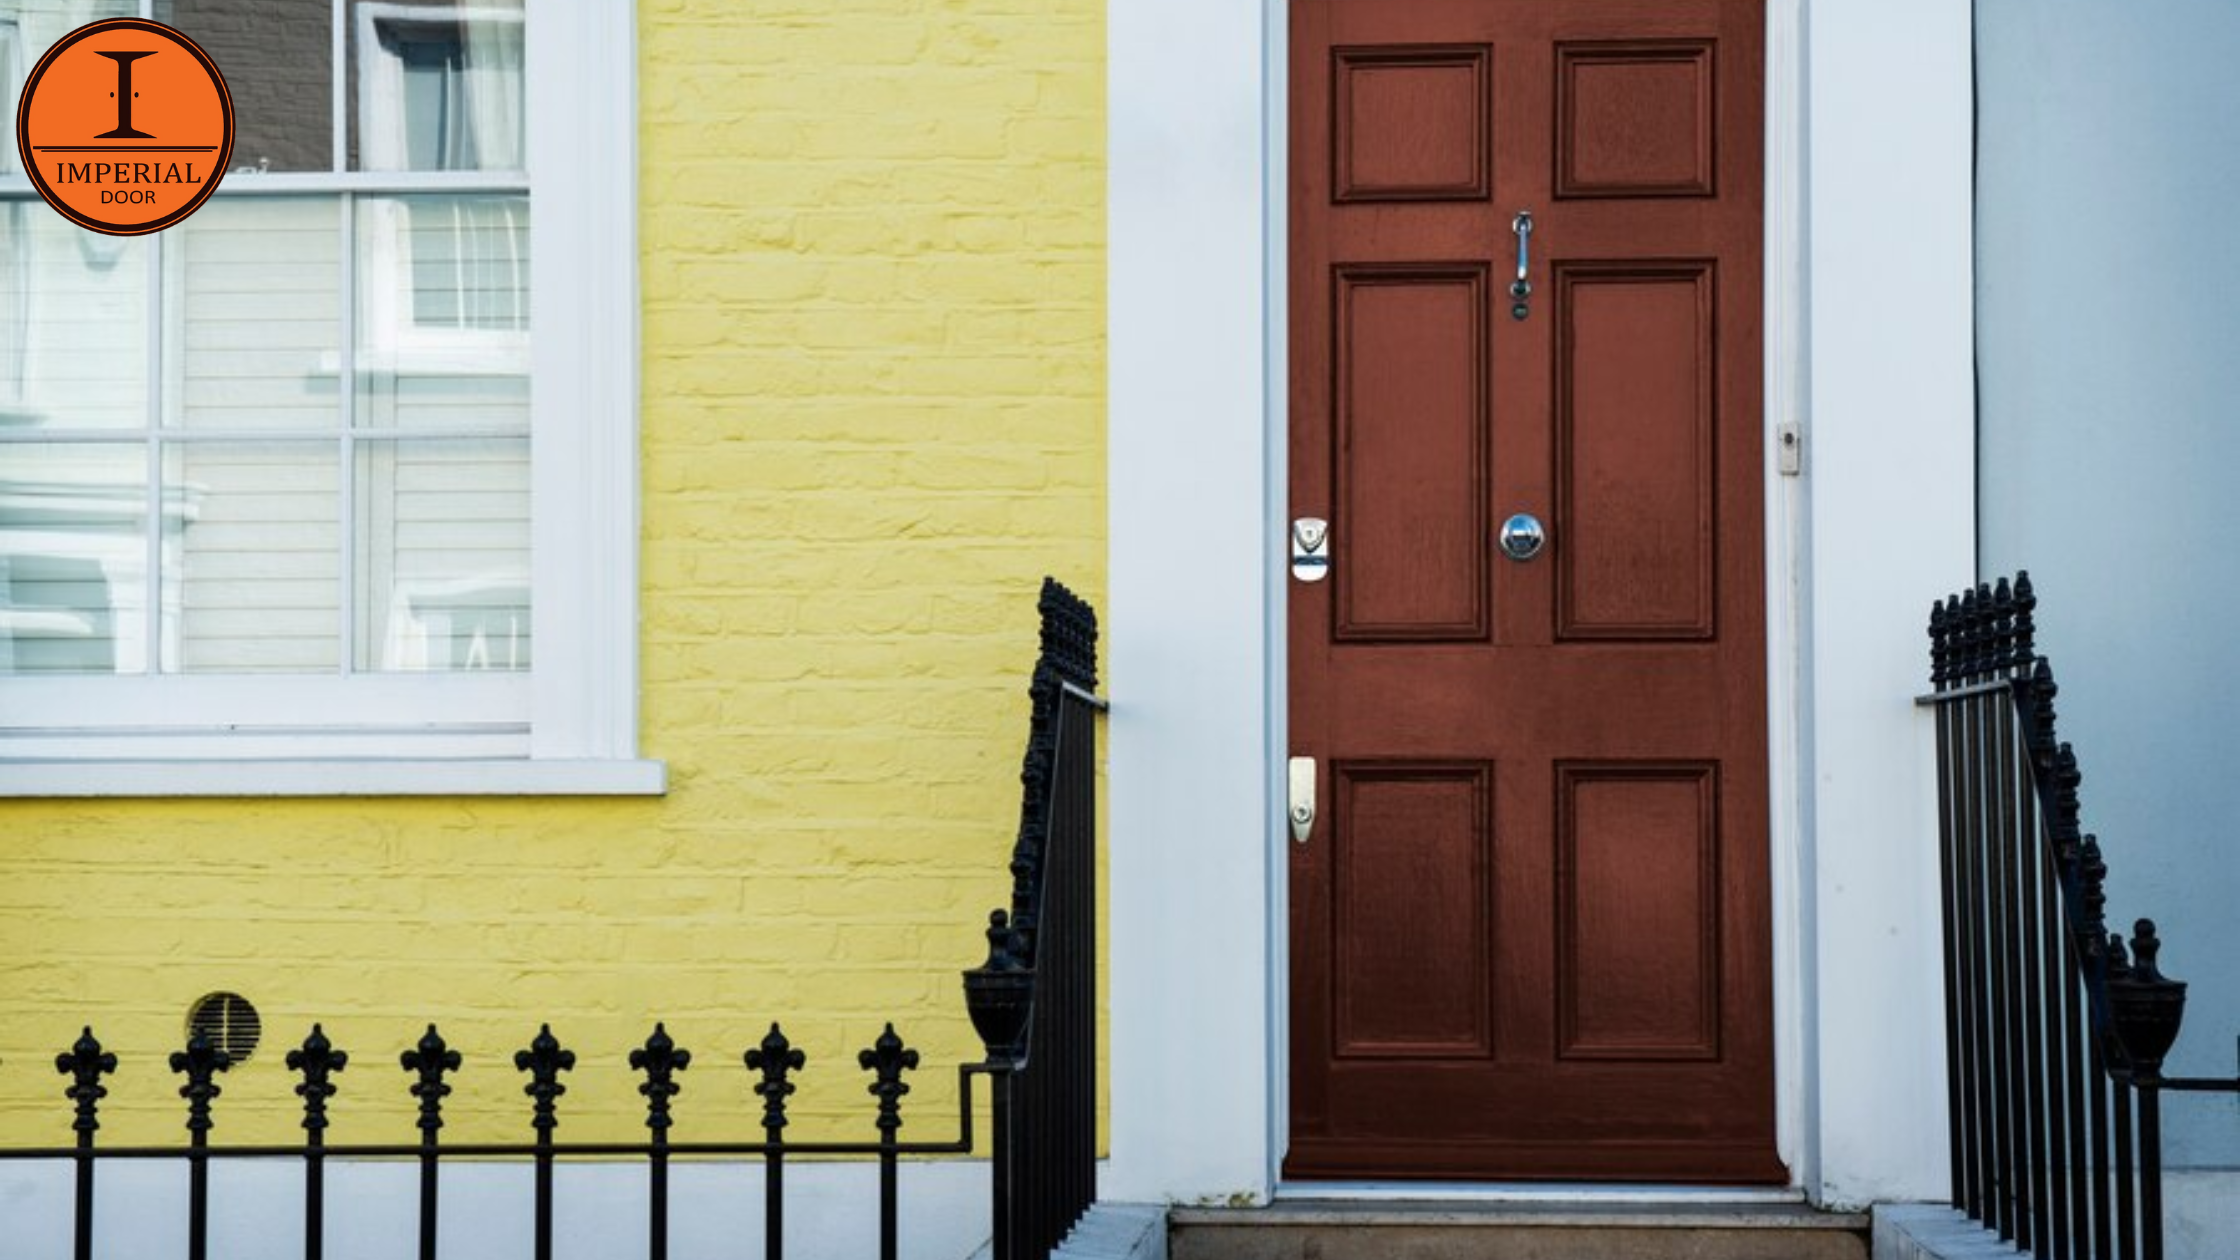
(1868, 351)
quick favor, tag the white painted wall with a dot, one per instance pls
(2109, 280)
(1885, 342)
(1191, 675)
(1890, 487)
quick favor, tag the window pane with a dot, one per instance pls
(443, 555)
(27, 29)
(73, 323)
(251, 557)
(443, 325)
(278, 59)
(436, 86)
(73, 559)
(256, 313)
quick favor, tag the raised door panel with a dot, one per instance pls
(1410, 453)
(1635, 451)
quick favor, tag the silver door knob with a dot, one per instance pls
(1522, 536)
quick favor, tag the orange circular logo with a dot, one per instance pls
(125, 126)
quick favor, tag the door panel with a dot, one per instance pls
(1530, 934)
(1410, 458)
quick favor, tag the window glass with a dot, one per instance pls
(73, 558)
(278, 60)
(251, 557)
(443, 555)
(254, 317)
(436, 86)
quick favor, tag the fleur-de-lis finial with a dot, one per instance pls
(887, 1060)
(318, 1060)
(544, 1061)
(201, 1062)
(660, 1059)
(775, 1058)
(430, 1059)
(85, 1063)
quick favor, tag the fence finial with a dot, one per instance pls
(544, 1061)
(2003, 658)
(660, 1059)
(201, 1061)
(888, 1059)
(317, 1060)
(1940, 646)
(2148, 1006)
(1968, 644)
(999, 993)
(775, 1058)
(431, 1059)
(85, 1063)
(2092, 877)
(2025, 617)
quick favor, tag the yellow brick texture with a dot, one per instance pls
(873, 340)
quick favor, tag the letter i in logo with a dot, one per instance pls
(124, 96)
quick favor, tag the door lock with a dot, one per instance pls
(1302, 798)
(1310, 555)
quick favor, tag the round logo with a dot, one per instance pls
(125, 126)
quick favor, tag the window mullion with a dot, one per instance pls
(339, 68)
(346, 396)
(153, 373)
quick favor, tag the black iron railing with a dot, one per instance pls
(2055, 1030)
(1033, 1003)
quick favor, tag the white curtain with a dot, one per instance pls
(491, 97)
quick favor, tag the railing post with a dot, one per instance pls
(318, 1060)
(999, 995)
(85, 1064)
(887, 1060)
(544, 1061)
(200, 1062)
(775, 1058)
(2147, 1010)
(660, 1059)
(430, 1060)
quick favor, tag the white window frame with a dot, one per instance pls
(569, 725)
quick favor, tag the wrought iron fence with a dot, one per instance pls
(1033, 1003)
(2055, 1028)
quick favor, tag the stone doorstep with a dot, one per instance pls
(1512, 1215)
(1405, 1230)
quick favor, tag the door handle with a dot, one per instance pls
(1522, 536)
(1521, 290)
(1302, 798)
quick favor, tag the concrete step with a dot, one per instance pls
(1512, 1231)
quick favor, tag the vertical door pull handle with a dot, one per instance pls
(1521, 290)
(1302, 798)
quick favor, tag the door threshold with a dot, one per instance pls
(1553, 1192)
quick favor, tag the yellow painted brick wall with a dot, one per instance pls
(872, 243)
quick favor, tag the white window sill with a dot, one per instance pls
(373, 777)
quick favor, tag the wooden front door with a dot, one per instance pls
(1530, 923)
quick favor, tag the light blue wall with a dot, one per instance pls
(2108, 308)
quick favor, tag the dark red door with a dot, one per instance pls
(1530, 925)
